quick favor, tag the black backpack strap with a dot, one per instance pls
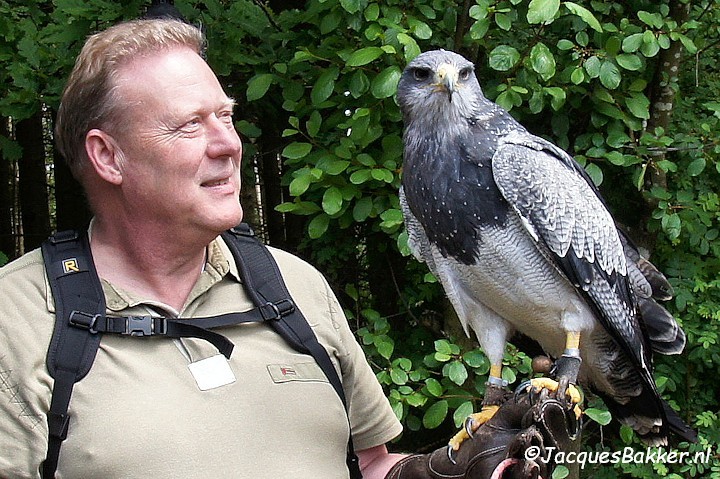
(264, 283)
(75, 286)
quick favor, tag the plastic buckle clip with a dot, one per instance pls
(143, 326)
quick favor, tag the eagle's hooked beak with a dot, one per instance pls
(447, 76)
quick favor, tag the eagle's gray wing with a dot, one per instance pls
(563, 212)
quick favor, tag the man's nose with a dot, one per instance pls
(223, 140)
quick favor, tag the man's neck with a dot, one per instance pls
(155, 265)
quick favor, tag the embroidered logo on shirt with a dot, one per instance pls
(283, 373)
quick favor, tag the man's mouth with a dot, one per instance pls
(209, 184)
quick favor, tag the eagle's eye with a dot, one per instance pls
(465, 73)
(421, 74)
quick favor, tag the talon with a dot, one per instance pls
(470, 426)
(571, 391)
(472, 423)
(451, 453)
(523, 388)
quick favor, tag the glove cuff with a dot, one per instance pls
(410, 467)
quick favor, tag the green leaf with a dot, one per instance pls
(560, 472)
(362, 209)
(585, 14)
(332, 201)
(258, 86)
(542, 11)
(385, 346)
(299, 185)
(324, 86)
(610, 75)
(435, 415)
(318, 226)
(364, 56)
(456, 372)
(296, 150)
(462, 412)
(420, 29)
(434, 387)
(504, 58)
(398, 376)
(651, 19)
(577, 76)
(503, 21)
(384, 85)
(696, 166)
(595, 173)
(592, 66)
(629, 61)
(542, 61)
(626, 434)
(599, 416)
(360, 176)
(313, 123)
(639, 105)
(332, 166)
(650, 46)
(352, 6)
(564, 44)
(632, 43)
(475, 358)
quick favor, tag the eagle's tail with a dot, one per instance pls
(651, 418)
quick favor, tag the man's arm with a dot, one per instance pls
(496, 449)
(376, 462)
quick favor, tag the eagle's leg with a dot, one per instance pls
(567, 368)
(495, 394)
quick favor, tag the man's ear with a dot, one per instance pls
(104, 155)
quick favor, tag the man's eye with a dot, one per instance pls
(226, 116)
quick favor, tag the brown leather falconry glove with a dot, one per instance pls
(515, 443)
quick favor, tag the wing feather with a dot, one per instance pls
(555, 198)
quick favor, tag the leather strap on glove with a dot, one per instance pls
(519, 441)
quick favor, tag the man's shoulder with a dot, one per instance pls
(290, 261)
(28, 266)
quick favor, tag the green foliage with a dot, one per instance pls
(322, 79)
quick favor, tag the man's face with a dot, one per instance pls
(181, 162)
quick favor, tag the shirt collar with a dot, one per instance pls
(218, 264)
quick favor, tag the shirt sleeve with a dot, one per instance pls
(25, 386)
(372, 420)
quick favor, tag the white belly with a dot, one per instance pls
(513, 280)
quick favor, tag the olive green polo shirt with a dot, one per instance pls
(156, 407)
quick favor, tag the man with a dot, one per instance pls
(147, 129)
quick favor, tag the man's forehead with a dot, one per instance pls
(174, 76)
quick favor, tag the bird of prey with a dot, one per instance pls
(521, 240)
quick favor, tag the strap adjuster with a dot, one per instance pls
(276, 310)
(84, 320)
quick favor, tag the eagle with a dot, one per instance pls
(521, 241)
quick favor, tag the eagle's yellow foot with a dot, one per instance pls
(571, 392)
(472, 423)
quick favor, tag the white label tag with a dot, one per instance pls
(212, 372)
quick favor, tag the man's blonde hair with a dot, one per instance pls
(90, 99)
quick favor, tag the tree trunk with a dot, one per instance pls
(662, 100)
(665, 87)
(33, 187)
(7, 238)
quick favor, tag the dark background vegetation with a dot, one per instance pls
(630, 87)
